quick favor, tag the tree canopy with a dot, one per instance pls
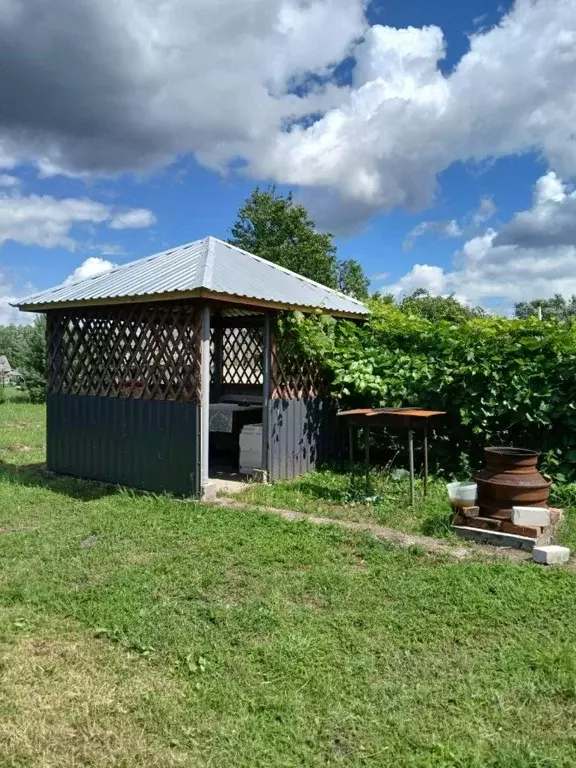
(352, 280)
(275, 227)
(25, 348)
(423, 304)
(557, 308)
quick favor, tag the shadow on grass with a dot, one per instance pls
(36, 476)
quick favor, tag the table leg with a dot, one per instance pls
(411, 459)
(351, 447)
(425, 459)
(367, 453)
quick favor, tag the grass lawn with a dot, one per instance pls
(142, 631)
(380, 499)
(330, 493)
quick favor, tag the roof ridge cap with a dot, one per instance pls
(208, 267)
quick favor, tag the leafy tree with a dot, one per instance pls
(352, 280)
(273, 226)
(435, 308)
(34, 360)
(556, 308)
(13, 340)
(500, 381)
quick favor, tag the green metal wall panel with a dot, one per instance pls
(143, 444)
(302, 434)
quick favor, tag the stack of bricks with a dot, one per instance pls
(536, 523)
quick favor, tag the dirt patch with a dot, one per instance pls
(18, 448)
(74, 700)
(426, 544)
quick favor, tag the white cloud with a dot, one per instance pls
(532, 256)
(424, 276)
(485, 211)
(467, 226)
(7, 181)
(8, 314)
(47, 221)
(443, 228)
(137, 218)
(550, 221)
(404, 121)
(109, 249)
(231, 82)
(92, 267)
(154, 80)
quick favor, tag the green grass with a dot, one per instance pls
(142, 631)
(380, 499)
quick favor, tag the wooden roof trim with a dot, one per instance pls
(181, 295)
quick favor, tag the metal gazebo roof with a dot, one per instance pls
(208, 268)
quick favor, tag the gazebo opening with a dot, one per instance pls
(239, 394)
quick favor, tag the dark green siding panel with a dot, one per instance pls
(302, 434)
(150, 445)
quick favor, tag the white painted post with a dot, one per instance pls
(205, 399)
(266, 375)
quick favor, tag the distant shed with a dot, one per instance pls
(5, 369)
(148, 363)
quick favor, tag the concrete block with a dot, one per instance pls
(531, 516)
(551, 555)
(494, 538)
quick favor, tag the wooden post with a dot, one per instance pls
(205, 398)
(411, 459)
(218, 368)
(266, 379)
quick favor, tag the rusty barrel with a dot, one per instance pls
(510, 478)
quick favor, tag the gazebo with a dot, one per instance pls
(159, 370)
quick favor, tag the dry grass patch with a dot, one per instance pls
(71, 700)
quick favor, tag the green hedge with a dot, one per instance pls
(501, 381)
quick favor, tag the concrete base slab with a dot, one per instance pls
(494, 538)
(218, 486)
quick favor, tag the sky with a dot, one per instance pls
(437, 141)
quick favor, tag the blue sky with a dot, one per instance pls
(436, 139)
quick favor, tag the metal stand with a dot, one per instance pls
(410, 419)
(367, 453)
(425, 460)
(411, 460)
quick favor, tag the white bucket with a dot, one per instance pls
(462, 494)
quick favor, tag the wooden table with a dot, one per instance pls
(411, 419)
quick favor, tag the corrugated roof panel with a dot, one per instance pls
(208, 264)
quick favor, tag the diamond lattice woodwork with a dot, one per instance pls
(294, 376)
(241, 355)
(146, 352)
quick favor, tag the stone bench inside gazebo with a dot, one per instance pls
(159, 369)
